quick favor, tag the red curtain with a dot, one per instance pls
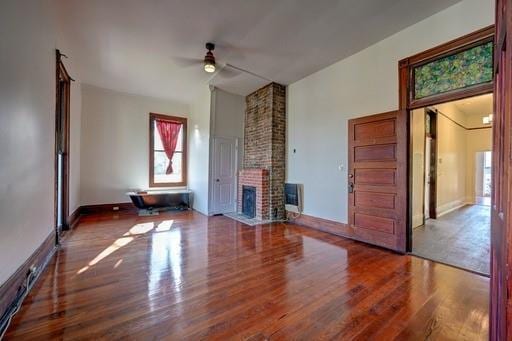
(169, 132)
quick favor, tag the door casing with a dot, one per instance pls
(407, 103)
(62, 142)
(501, 238)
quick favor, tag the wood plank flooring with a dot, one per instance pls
(184, 276)
(461, 238)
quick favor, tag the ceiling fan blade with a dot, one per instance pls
(186, 62)
(227, 72)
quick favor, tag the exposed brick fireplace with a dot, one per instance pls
(259, 179)
(264, 151)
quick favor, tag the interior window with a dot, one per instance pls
(167, 159)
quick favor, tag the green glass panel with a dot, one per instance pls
(458, 71)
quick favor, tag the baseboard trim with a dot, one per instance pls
(74, 218)
(450, 207)
(39, 259)
(330, 226)
(107, 208)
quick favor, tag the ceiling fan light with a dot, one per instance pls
(209, 67)
(209, 59)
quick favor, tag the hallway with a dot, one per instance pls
(460, 238)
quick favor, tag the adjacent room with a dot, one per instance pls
(255, 170)
(451, 182)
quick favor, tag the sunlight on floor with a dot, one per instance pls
(164, 226)
(140, 229)
(119, 243)
(135, 230)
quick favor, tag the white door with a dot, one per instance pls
(224, 175)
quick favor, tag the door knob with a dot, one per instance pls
(217, 180)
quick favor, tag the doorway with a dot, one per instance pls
(451, 182)
(483, 177)
(62, 138)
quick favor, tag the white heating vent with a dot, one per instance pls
(293, 197)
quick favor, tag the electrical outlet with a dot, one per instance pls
(115, 208)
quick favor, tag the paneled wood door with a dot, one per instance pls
(225, 172)
(377, 179)
(501, 239)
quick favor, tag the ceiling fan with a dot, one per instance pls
(210, 66)
(208, 63)
(209, 59)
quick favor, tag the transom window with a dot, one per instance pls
(167, 151)
(470, 67)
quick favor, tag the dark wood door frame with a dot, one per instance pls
(407, 102)
(432, 181)
(62, 138)
(501, 237)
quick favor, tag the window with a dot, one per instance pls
(464, 69)
(167, 151)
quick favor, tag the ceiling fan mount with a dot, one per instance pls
(210, 46)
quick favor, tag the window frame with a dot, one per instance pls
(152, 118)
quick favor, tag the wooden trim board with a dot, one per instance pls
(107, 208)
(326, 225)
(406, 66)
(74, 217)
(39, 259)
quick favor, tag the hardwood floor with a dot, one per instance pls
(186, 276)
(461, 238)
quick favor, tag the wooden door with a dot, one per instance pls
(501, 312)
(224, 175)
(377, 179)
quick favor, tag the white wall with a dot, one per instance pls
(456, 170)
(451, 164)
(199, 149)
(74, 148)
(227, 120)
(365, 83)
(115, 142)
(27, 129)
(228, 117)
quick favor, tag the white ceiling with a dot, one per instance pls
(476, 106)
(137, 46)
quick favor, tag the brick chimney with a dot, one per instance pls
(264, 149)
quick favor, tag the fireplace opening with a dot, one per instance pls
(249, 201)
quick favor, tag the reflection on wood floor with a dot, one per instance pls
(184, 276)
(460, 238)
